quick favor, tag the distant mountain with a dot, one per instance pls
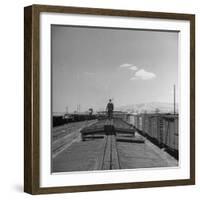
(149, 107)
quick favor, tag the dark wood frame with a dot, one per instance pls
(32, 105)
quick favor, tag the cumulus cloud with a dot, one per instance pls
(143, 75)
(128, 66)
(125, 65)
(139, 74)
(133, 68)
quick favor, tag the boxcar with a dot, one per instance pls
(170, 132)
(156, 129)
(162, 129)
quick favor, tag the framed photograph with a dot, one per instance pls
(109, 99)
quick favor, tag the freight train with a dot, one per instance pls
(161, 129)
(70, 118)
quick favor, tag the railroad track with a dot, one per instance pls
(64, 136)
(69, 128)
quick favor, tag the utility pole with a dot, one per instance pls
(78, 108)
(67, 109)
(174, 99)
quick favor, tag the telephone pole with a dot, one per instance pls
(174, 99)
(67, 110)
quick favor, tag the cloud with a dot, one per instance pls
(140, 74)
(128, 66)
(143, 75)
(134, 78)
(133, 68)
(125, 65)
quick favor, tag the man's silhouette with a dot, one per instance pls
(110, 108)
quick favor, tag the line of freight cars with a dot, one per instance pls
(61, 120)
(161, 129)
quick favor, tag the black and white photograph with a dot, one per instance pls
(109, 99)
(114, 98)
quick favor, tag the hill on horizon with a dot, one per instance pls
(149, 107)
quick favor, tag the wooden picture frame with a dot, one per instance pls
(32, 97)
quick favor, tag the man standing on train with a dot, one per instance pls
(109, 109)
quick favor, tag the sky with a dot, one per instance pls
(92, 65)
